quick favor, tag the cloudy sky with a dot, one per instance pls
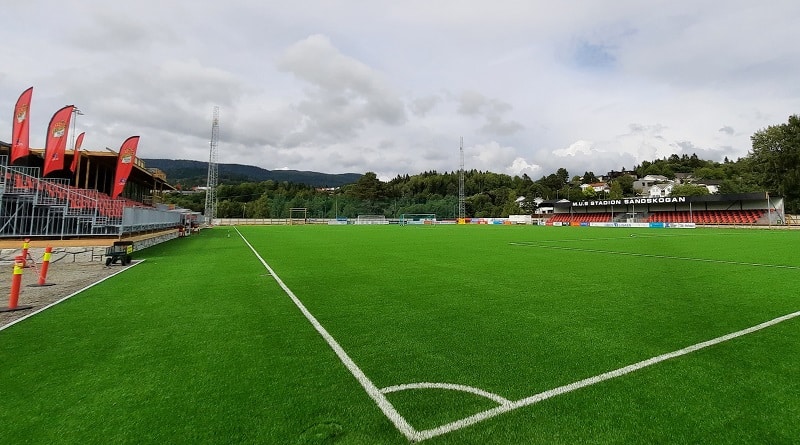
(390, 86)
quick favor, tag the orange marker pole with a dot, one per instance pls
(16, 281)
(45, 264)
(26, 244)
(29, 262)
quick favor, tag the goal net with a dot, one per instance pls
(298, 215)
(371, 219)
(417, 218)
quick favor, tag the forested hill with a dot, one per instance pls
(773, 166)
(189, 174)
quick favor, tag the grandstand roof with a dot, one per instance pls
(96, 161)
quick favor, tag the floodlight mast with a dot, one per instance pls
(461, 207)
(213, 171)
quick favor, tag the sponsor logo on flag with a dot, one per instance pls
(59, 128)
(22, 113)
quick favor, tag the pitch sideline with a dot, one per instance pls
(375, 394)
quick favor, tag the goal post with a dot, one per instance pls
(298, 215)
(371, 219)
(418, 219)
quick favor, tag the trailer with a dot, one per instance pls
(120, 252)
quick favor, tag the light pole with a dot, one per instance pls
(75, 113)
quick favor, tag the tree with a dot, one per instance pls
(369, 189)
(258, 208)
(776, 157)
(511, 206)
(563, 176)
(688, 190)
(709, 173)
(227, 209)
(481, 206)
(626, 184)
(551, 183)
(616, 190)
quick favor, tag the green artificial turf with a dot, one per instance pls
(198, 344)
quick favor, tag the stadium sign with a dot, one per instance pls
(629, 201)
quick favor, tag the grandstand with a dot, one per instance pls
(709, 217)
(738, 209)
(582, 217)
(715, 217)
(33, 206)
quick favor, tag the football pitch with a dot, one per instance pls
(433, 334)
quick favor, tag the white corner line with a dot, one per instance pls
(383, 403)
(413, 435)
(70, 295)
(536, 398)
(500, 400)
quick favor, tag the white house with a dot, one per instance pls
(660, 190)
(599, 187)
(642, 186)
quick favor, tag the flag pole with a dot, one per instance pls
(75, 113)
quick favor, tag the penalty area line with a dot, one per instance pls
(375, 394)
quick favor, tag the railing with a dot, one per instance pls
(32, 206)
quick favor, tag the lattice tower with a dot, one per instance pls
(461, 207)
(213, 171)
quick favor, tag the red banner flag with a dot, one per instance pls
(75, 153)
(56, 143)
(20, 132)
(79, 141)
(125, 161)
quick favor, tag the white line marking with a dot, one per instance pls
(383, 403)
(417, 436)
(70, 295)
(452, 386)
(610, 238)
(471, 420)
(651, 255)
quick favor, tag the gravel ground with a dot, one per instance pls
(66, 278)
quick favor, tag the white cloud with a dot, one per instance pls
(421, 106)
(390, 87)
(345, 94)
(577, 148)
(520, 166)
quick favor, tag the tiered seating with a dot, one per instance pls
(87, 201)
(581, 217)
(708, 216)
(22, 183)
(111, 208)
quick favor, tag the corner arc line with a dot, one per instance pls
(451, 386)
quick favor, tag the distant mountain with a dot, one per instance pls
(194, 173)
